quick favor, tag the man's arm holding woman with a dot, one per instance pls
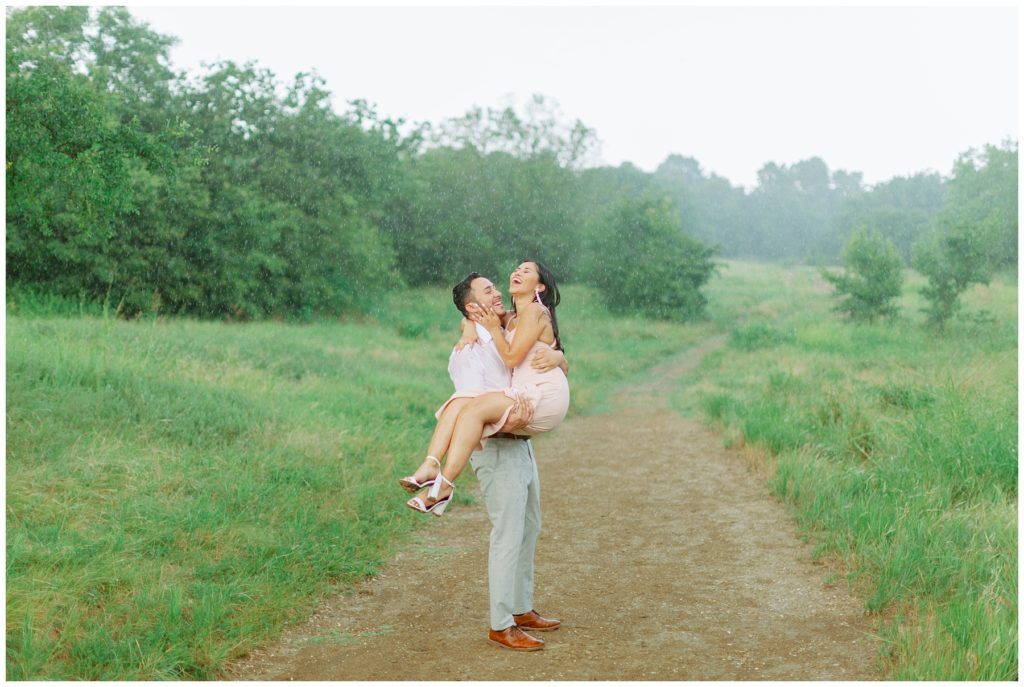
(548, 359)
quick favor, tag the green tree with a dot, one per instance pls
(475, 212)
(496, 187)
(540, 129)
(902, 209)
(952, 258)
(873, 278)
(219, 195)
(791, 206)
(444, 237)
(144, 260)
(643, 263)
(983, 194)
(975, 232)
(73, 159)
(600, 188)
(128, 58)
(292, 202)
(711, 208)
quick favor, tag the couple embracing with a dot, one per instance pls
(509, 372)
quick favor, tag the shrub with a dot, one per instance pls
(873, 278)
(643, 263)
(952, 261)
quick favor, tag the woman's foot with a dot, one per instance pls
(435, 499)
(424, 476)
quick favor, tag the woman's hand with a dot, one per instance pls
(488, 318)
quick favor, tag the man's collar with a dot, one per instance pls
(482, 332)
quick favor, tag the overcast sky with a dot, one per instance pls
(882, 91)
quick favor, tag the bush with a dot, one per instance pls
(642, 262)
(873, 278)
(952, 261)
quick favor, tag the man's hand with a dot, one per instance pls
(519, 417)
(547, 359)
(469, 336)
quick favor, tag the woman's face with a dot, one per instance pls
(524, 279)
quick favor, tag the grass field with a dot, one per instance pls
(178, 490)
(896, 449)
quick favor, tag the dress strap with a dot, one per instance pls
(538, 301)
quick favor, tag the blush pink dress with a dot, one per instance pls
(547, 392)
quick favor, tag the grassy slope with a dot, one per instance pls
(896, 448)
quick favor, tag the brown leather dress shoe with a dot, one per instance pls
(515, 639)
(532, 621)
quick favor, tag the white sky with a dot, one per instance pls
(884, 91)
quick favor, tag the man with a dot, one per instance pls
(507, 472)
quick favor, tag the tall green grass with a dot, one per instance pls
(178, 490)
(896, 448)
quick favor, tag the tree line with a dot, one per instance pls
(228, 193)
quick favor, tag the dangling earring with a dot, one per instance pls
(536, 295)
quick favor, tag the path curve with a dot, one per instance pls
(662, 552)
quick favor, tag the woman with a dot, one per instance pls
(467, 417)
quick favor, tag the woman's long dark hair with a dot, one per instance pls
(549, 297)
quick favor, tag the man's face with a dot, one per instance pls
(482, 291)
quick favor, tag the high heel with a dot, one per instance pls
(438, 506)
(411, 485)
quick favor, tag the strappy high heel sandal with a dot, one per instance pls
(411, 485)
(438, 506)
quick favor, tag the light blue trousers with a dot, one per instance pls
(507, 473)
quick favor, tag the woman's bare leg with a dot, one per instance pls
(469, 427)
(443, 431)
(446, 427)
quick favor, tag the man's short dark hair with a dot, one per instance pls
(461, 290)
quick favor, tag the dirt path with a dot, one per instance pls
(663, 554)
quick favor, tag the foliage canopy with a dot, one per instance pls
(230, 194)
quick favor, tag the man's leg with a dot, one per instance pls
(503, 471)
(525, 616)
(531, 530)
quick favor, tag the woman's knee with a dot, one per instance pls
(456, 406)
(488, 407)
